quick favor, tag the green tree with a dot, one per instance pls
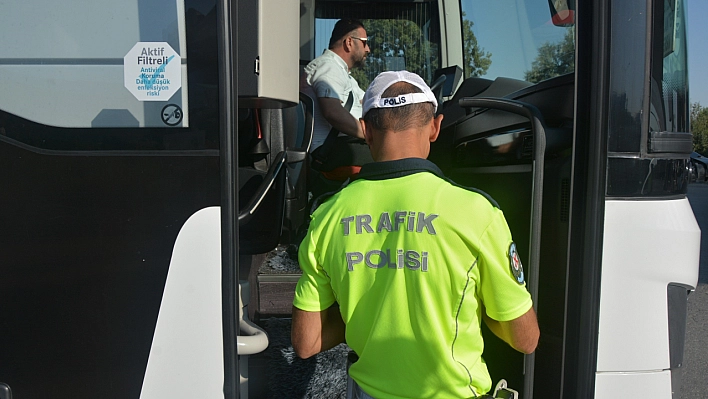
(396, 45)
(553, 59)
(477, 61)
(699, 127)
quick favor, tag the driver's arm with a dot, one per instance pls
(521, 333)
(338, 117)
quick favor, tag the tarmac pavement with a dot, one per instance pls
(695, 378)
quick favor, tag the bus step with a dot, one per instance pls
(277, 278)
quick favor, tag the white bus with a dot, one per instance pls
(154, 154)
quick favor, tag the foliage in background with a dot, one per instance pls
(553, 59)
(477, 61)
(401, 44)
(397, 45)
(699, 127)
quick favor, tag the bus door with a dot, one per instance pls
(112, 118)
(648, 222)
(109, 142)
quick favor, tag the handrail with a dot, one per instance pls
(275, 167)
(539, 137)
(251, 339)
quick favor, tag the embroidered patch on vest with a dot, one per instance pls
(517, 270)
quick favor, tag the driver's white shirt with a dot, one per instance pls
(328, 76)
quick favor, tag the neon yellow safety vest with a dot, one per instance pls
(411, 258)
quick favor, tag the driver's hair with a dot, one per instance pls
(343, 28)
(400, 118)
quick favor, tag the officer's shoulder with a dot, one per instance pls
(473, 191)
(326, 198)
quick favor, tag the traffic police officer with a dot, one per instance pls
(405, 265)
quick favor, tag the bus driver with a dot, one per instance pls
(327, 79)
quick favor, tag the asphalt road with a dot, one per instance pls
(695, 382)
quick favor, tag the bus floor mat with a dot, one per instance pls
(322, 376)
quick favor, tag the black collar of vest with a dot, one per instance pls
(408, 166)
(398, 168)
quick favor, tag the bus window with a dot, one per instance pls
(530, 47)
(669, 74)
(97, 185)
(654, 120)
(402, 36)
(74, 79)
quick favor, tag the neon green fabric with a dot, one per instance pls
(410, 260)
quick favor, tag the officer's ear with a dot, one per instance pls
(435, 125)
(367, 132)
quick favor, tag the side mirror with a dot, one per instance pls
(437, 89)
(452, 74)
(562, 12)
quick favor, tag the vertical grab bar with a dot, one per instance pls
(251, 339)
(539, 151)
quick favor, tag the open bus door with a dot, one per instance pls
(100, 175)
(120, 133)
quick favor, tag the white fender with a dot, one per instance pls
(186, 358)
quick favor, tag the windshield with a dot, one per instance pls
(520, 39)
(403, 35)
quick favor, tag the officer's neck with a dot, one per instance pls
(391, 146)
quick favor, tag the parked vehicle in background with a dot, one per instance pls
(699, 166)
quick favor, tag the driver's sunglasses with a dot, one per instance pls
(364, 40)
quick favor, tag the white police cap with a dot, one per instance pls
(373, 99)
